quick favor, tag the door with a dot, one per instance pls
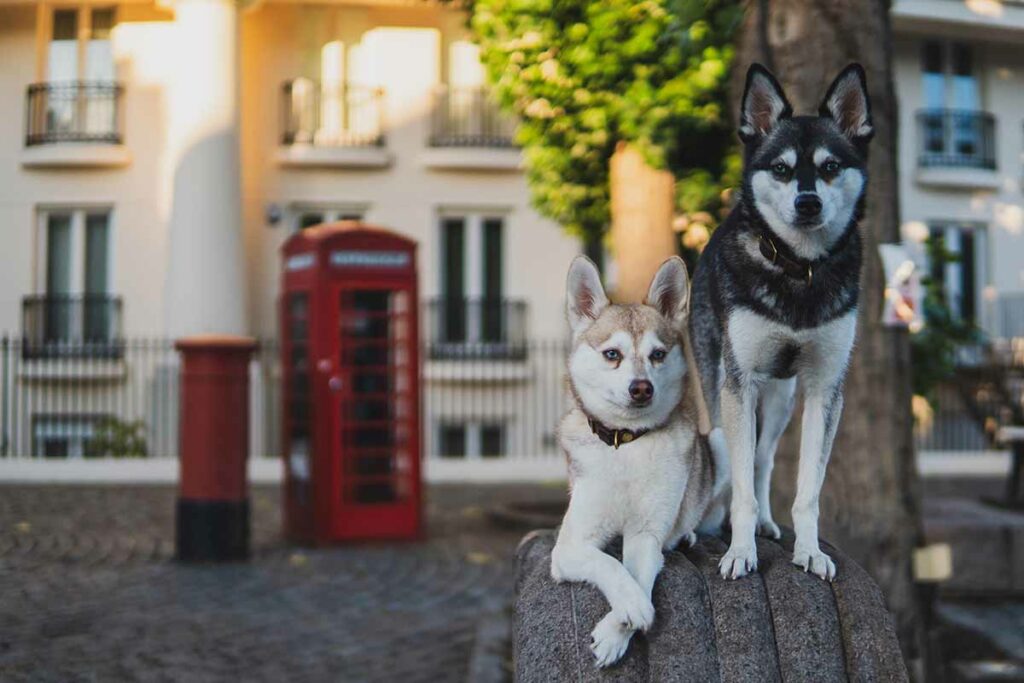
(374, 411)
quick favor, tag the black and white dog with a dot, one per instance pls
(775, 300)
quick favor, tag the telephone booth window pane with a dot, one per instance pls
(375, 407)
(297, 396)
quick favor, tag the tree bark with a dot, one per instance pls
(642, 205)
(870, 503)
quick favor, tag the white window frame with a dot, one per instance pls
(44, 34)
(951, 277)
(76, 428)
(78, 213)
(474, 437)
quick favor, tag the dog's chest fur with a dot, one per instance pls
(635, 488)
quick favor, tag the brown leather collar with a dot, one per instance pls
(614, 437)
(794, 268)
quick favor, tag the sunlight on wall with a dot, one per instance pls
(403, 61)
(986, 8)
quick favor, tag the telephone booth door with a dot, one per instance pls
(374, 403)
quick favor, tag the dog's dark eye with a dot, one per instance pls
(613, 355)
(780, 169)
(657, 355)
(830, 167)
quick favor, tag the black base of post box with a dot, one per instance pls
(212, 530)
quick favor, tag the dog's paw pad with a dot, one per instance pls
(609, 640)
(769, 529)
(815, 562)
(739, 561)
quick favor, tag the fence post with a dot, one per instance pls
(5, 442)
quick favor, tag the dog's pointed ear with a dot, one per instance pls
(847, 103)
(669, 292)
(764, 104)
(586, 297)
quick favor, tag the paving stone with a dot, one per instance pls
(90, 593)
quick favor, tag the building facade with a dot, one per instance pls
(155, 156)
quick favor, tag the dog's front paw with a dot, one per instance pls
(739, 561)
(636, 612)
(768, 529)
(609, 639)
(815, 562)
(689, 538)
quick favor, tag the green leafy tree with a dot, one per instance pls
(585, 75)
(934, 347)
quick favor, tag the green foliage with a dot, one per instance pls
(113, 438)
(582, 75)
(933, 348)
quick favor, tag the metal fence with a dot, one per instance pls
(960, 138)
(331, 115)
(73, 111)
(469, 117)
(87, 402)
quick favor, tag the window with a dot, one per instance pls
(964, 279)
(79, 45)
(308, 216)
(955, 130)
(472, 278)
(74, 274)
(64, 436)
(471, 440)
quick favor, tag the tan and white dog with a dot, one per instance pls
(639, 466)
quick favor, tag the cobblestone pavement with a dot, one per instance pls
(88, 592)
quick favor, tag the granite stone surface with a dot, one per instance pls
(779, 623)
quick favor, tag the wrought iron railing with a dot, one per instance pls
(476, 328)
(73, 111)
(63, 325)
(956, 138)
(469, 117)
(331, 115)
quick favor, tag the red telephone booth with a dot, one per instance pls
(350, 362)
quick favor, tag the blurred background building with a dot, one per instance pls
(156, 155)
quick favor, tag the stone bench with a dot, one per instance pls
(779, 624)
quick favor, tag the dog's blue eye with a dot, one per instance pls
(612, 354)
(831, 167)
(780, 169)
(658, 355)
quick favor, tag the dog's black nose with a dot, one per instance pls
(641, 390)
(808, 205)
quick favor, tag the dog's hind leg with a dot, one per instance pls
(774, 410)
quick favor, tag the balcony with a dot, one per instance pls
(73, 124)
(332, 125)
(476, 329)
(468, 131)
(70, 326)
(956, 148)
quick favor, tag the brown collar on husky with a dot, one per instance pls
(614, 437)
(795, 268)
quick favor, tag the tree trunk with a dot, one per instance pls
(643, 202)
(870, 502)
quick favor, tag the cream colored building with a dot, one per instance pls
(154, 157)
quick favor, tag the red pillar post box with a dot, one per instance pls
(350, 379)
(213, 497)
